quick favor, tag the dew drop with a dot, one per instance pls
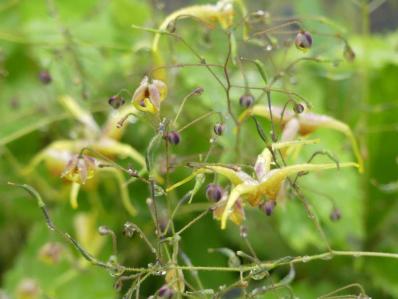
(258, 273)
(160, 273)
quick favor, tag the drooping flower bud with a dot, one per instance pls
(303, 40)
(268, 207)
(174, 137)
(214, 192)
(45, 77)
(335, 214)
(298, 108)
(116, 101)
(246, 100)
(219, 129)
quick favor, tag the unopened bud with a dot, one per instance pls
(219, 129)
(174, 137)
(303, 40)
(116, 101)
(45, 77)
(298, 108)
(246, 100)
(335, 214)
(214, 192)
(268, 207)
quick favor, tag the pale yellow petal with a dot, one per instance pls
(109, 147)
(74, 193)
(233, 197)
(271, 184)
(236, 177)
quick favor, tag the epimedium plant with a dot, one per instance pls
(270, 181)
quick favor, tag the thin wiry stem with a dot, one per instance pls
(228, 85)
(194, 220)
(352, 285)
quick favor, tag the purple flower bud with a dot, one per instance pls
(303, 40)
(219, 129)
(165, 292)
(116, 101)
(173, 137)
(335, 215)
(214, 192)
(246, 100)
(268, 207)
(298, 108)
(45, 77)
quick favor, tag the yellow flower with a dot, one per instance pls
(149, 95)
(303, 124)
(267, 183)
(237, 214)
(51, 253)
(64, 157)
(222, 12)
(79, 169)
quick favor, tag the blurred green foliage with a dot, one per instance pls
(91, 52)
